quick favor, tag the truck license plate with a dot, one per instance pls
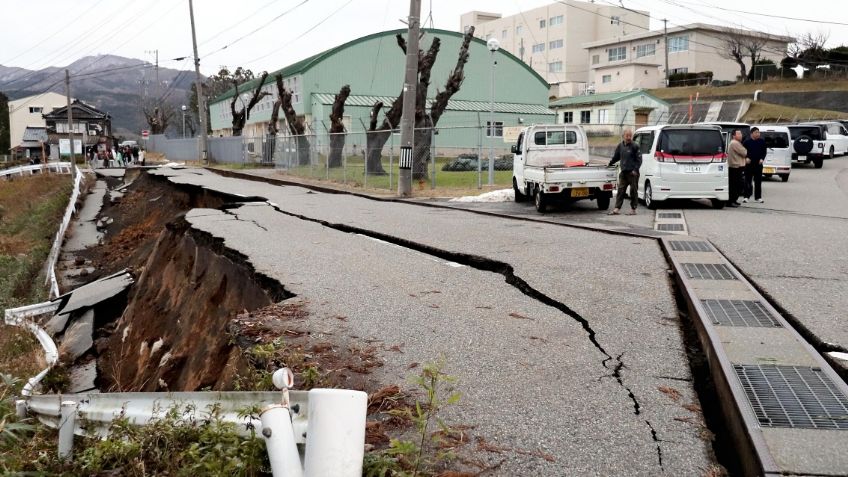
(693, 169)
(580, 192)
(768, 170)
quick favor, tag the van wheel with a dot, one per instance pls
(832, 153)
(649, 197)
(718, 204)
(541, 201)
(519, 197)
(767, 176)
(818, 162)
(784, 177)
(603, 201)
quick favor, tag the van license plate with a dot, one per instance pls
(768, 170)
(693, 169)
(580, 192)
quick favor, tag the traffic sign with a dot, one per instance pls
(145, 133)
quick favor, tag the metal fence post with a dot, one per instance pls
(433, 155)
(67, 421)
(479, 153)
(279, 441)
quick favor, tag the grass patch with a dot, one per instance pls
(30, 211)
(761, 112)
(788, 85)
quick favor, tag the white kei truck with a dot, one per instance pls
(551, 165)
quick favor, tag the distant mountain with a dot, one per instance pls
(110, 83)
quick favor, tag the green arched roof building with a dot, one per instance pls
(374, 65)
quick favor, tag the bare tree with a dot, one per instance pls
(297, 124)
(424, 121)
(159, 118)
(809, 49)
(337, 129)
(241, 116)
(733, 47)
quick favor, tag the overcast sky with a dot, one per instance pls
(36, 34)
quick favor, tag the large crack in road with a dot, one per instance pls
(507, 271)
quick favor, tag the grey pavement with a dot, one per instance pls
(536, 383)
(793, 246)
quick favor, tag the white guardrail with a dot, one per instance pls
(56, 249)
(58, 167)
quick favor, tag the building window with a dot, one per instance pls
(615, 20)
(648, 49)
(519, 29)
(35, 109)
(557, 20)
(503, 34)
(617, 54)
(606, 79)
(677, 71)
(603, 116)
(555, 67)
(568, 117)
(555, 44)
(585, 117)
(538, 47)
(541, 23)
(498, 129)
(678, 43)
(596, 59)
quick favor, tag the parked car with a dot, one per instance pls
(778, 151)
(551, 164)
(727, 129)
(807, 143)
(836, 138)
(682, 162)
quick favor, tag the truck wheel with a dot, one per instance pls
(649, 197)
(818, 162)
(784, 177)
(519, 197)
(603, 201)
(541, 202)
(717, 204)
(832, 153)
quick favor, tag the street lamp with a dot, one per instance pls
(493, 45)
(184, 110)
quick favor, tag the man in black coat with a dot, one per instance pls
(631, 160)
(756, 147)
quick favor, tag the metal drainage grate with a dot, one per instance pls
(708, 271)
(748, 313)
(690, 246)
(669, 215)
(793, 396)
(671, 227)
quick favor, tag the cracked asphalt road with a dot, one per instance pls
(535, 384)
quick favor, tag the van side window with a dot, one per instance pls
(645, 142)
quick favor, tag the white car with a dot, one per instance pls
(682, 162)
(808, 141)
(836, 138)
(778, 152)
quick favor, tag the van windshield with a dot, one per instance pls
(814, 132)
(691, 142)
(776, 140)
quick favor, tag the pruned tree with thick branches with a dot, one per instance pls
(297, 124)
(337, 129)
(425, 120)
(241, 116)
(159, 118)
(738, 46)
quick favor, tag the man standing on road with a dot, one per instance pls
(756, 147)
(736, 154)
(631, 160)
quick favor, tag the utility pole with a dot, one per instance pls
(407, 120)
(70, 117)
(156, 69)
(665, 40)
(201, 100)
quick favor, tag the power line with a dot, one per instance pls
(229, 28)
(255, 30)
(809, 20)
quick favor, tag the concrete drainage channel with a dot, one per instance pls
(784, 407)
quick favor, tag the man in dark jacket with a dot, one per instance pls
(756, 147)
(631, 160)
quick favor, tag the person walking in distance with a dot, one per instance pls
(756, 147)
(736, 154)
(631, 160)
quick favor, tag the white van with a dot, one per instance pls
(836, 138)
(682, 162)
(778, 152)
